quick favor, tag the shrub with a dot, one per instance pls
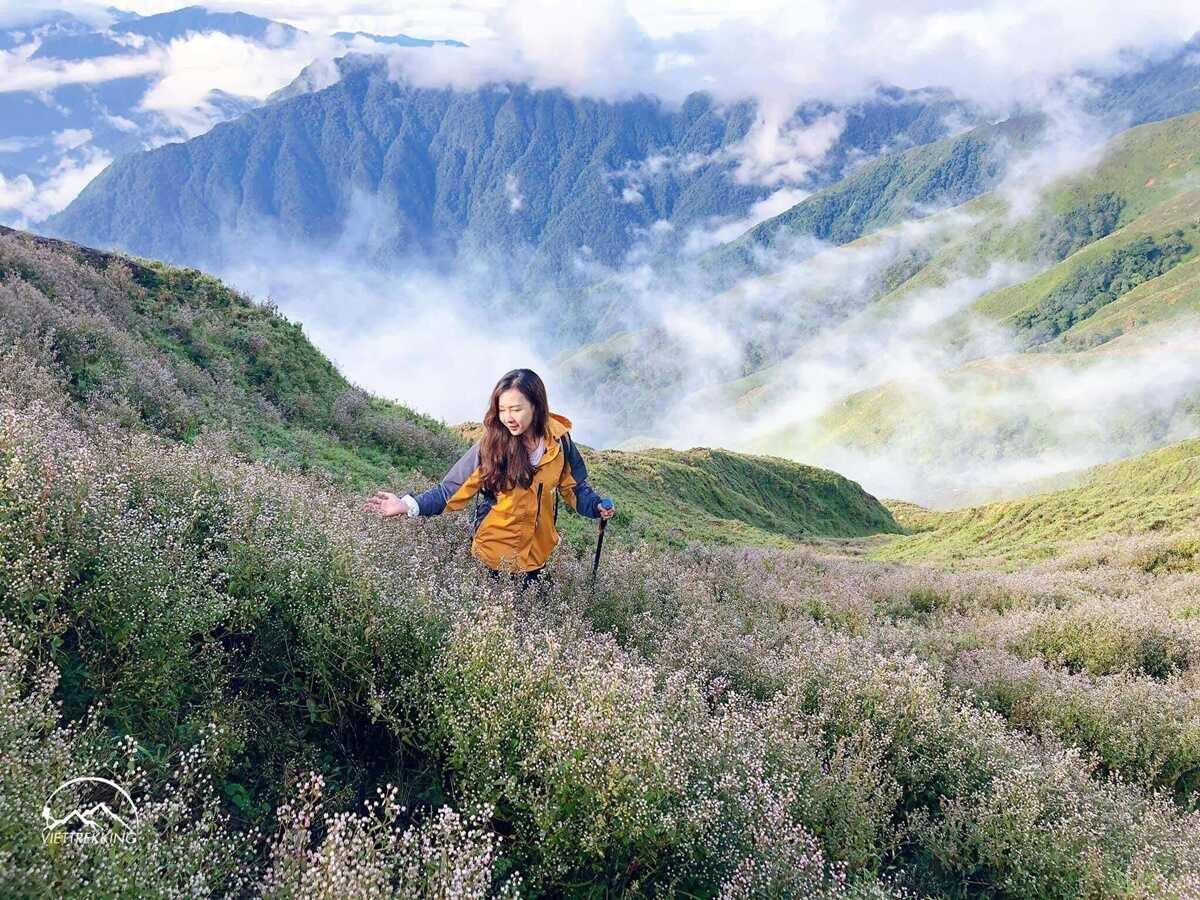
(1103, 638)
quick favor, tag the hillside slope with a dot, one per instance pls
(1155, 493)
(895, 187)
(173, 351)
(1050, 368)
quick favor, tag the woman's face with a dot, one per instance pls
(516, 412)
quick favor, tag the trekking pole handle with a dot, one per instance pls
(605, 503)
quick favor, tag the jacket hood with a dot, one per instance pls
(558, 425)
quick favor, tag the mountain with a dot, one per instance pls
(396, 40)
(94, 817)
(1158, 89)
(88, 102)
(44, 26)
(163, 28)
(504, 171)
(1149, 91)
(473, 174)
(1081, 354)
(898, 187)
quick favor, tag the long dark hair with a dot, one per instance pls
(503, 458)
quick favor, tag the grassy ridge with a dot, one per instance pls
(733, 498)
(1145, 167)
(1157, 492)
(176, 352)
(1177, 213)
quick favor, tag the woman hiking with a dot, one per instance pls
(523, 463)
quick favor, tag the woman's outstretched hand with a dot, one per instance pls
(386, 504)
(608, 513)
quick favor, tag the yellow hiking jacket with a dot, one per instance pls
(516, 529)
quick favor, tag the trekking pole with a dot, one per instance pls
(606, 503)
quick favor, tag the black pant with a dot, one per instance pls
(526, 577)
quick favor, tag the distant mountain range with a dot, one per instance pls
(544, 181)
(86, 106)
(503, 171)
(396, 40)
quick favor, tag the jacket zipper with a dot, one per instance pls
(539, 506)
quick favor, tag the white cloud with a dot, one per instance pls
(776, 151)
(512, 190)
(121, 123)
(194, 66)
(70, 138)
(25, 203)
(1071, 143)
(20, 74)
(721, 230)
(990, 51)
(15, 193)
(462, 19)
(17, 144)
(389, 334)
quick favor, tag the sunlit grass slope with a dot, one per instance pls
(1157, 492)
(1144, 183)
(734, 498)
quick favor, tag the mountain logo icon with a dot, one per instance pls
(91, 806)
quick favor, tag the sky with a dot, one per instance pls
(466, 21)
(991, 50)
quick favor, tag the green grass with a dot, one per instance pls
(716, 496)
(1181, 212)
(1157, 492)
